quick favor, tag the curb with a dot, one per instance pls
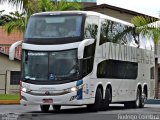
(9, 102)
(153, 101)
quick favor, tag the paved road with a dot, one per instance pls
(116, 112)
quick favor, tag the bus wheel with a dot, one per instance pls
(143, 99)
(136, 103)
(56, 107)
(44, 108)
(128, 104)
(106, 101)
(96, 106)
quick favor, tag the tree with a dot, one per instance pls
(4, 18)
(63, 5)
(147, 26)
(17, 23)
(44, 5)
(1, 18)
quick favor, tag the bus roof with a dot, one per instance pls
(87, 13)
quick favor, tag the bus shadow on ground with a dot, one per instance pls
(72, 112)
(76, 110)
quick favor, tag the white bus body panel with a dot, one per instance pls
(61, 99)
(125, 89)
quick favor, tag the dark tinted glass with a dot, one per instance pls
(117, 69)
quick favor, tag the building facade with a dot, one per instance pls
(9, 70)
(9, 74)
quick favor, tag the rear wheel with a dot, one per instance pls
(143, 99)
(106, 101)
(56, 107)
(96, 106)
(136, 103)
(44, 108)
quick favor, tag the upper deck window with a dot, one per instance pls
(54, 26)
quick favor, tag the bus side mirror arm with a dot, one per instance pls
(12, 49)
(82, 45)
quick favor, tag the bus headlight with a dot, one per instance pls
(73, 89)
(25, 90)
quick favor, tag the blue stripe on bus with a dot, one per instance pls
(79, 92)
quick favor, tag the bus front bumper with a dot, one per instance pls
(68, 99)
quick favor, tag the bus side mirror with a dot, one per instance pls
(82, 45)
(12, 49)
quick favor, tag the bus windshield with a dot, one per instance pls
(62, 65)
(54, 26)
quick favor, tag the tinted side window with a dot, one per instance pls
(91, 27)
(90, 32)
(117, 33)
(117, 69)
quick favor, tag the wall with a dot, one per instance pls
(6, 66)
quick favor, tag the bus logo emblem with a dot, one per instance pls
(47, 93)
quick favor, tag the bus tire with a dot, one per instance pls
(128, 104)
(98, 98)
(44, 108)
(105, 102)
(136, 103)
(143, 99)
(56, 107)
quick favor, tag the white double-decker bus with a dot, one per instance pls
(84, 58)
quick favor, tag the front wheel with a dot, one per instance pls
(44, 108)
(56, 107)
(96, 106)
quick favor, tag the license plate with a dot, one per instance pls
(47, 100)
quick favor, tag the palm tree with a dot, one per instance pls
(63, 5)
(44, 5)
(17, 22)
(4, 18)
(149, 27)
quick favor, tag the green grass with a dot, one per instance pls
(9, 97)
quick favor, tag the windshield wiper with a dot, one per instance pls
(26, 79)
(67, 77)
(29, 78)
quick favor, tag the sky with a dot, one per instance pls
(8, 8)
(148, 7)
